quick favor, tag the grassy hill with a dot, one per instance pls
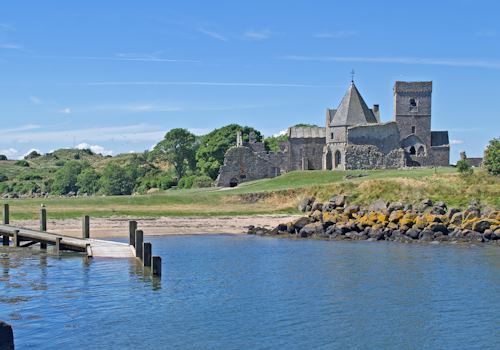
(279, 195)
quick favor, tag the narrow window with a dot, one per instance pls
(413, 104)
(412, 150)
(338, 158)
(332, 136)
(413, 129)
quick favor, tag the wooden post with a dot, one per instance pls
(6, 216)
(15, 239)
(86, 227)
(132, 226)
(58, 245)
(139, 237)
(156, 266)
(146, 254)
(43, 225)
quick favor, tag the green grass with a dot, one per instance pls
(278, 195)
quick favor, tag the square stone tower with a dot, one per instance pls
(412, 113)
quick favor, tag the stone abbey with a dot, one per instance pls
(353, 138)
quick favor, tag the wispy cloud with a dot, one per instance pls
(10, 46)
(118, 57)
(337, 34)
(65, 110)
(137, 108)
(450, 62)
(10, 152)
(36, 100)
(6, 27)
(198, 83)
(257, 35)
(456, 142)
(213, 34)
(487, 33)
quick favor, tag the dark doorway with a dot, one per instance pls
(338, 159)
(233, 182)
(412, 150)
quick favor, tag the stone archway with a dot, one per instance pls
(421, 151)
(413, 151)
(328, 160)
(338, 158)
(233, 182)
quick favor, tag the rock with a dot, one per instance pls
(351, 209)
(304, 203)
(6, 336)
(395, 206)
(457, 219)
(412, 233)
(396, 215)
(378, 206)
(338, 200)
(317, 206)
(437, 227)
(474, 236)
(441, 204)
(488, 234)
(481, 225)
(328, 206)
(311, 229)
(317, 215)
(438, 211)
(300, 223)
(426, 235)
(452, 212)
(426, 202)
(408, 207)
(282, 227)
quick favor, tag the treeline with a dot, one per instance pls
(181, 159)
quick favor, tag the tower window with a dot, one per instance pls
(332, 136)
(413, 129)
(413, 104)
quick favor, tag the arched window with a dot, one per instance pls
(328, 160)
(338, 158)
(421, 151)
(412, 150)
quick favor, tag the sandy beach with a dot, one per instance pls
(118, 226)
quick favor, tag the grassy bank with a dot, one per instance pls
(278, 195)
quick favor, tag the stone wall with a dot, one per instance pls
(384, 136)
(309, 149)
(242, 164)
(370, 157)
(441, 156)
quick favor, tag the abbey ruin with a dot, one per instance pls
(353, 138)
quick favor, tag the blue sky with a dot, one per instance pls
(117, 75)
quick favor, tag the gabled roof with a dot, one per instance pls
(439, 138)
(298, 132)
(353, 109)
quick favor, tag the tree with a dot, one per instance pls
(115, 180)
(213, 147)
(491, 161)
(66, 177)
(272, 143)
(88, 181)
(177, 148)
(464, 167)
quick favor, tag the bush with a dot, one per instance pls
(32, 155)
(23, 163)
(166, 181)
(463, 167)
(3, 157)
(88, 181)
(29, 176)
(115, 180)
(491, 161)
(202, 181)
(186, 181)
(3, 178)
(66, 177)
(60, 163)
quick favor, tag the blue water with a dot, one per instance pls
(244, 292)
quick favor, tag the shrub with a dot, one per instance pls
(166, 181)
(491, 160)
(29, 176)
(60, 163)
(186, 181)
(463, 167)
(3, 178)
(66, 177)
(88, 181)
(3, 157)
(115, 180)
(22, 162)
(32, 155)
(202, 181)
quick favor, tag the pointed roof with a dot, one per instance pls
(353, 109)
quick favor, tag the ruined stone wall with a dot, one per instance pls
(311, 149)
(422, 126)
(242, 164)
(441, 156)
(370, 157)
(384, 136)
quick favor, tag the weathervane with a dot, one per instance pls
(352, 76)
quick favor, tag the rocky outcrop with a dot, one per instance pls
(430, 222)
(6, 336)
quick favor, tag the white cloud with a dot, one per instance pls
(6, 27)
(200, 131)
(487, 33)
(36, 100)
(456, 142)
(65, 110)
(338, 34)
(282, 132)
(95, 149)
(139, 108)
(10, 152)
(197, 83)
(32, 150)
(212, 34)
(257, 35)
(450, 62)
(9, 46)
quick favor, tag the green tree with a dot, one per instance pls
(491, 161)
(464, 167)
(177, 148)
(88, 181)
(65, 178)
(213, 147)
(116, 180)
(272, 143)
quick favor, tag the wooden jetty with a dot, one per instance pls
(95, 248)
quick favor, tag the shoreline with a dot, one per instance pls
(161, 226)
